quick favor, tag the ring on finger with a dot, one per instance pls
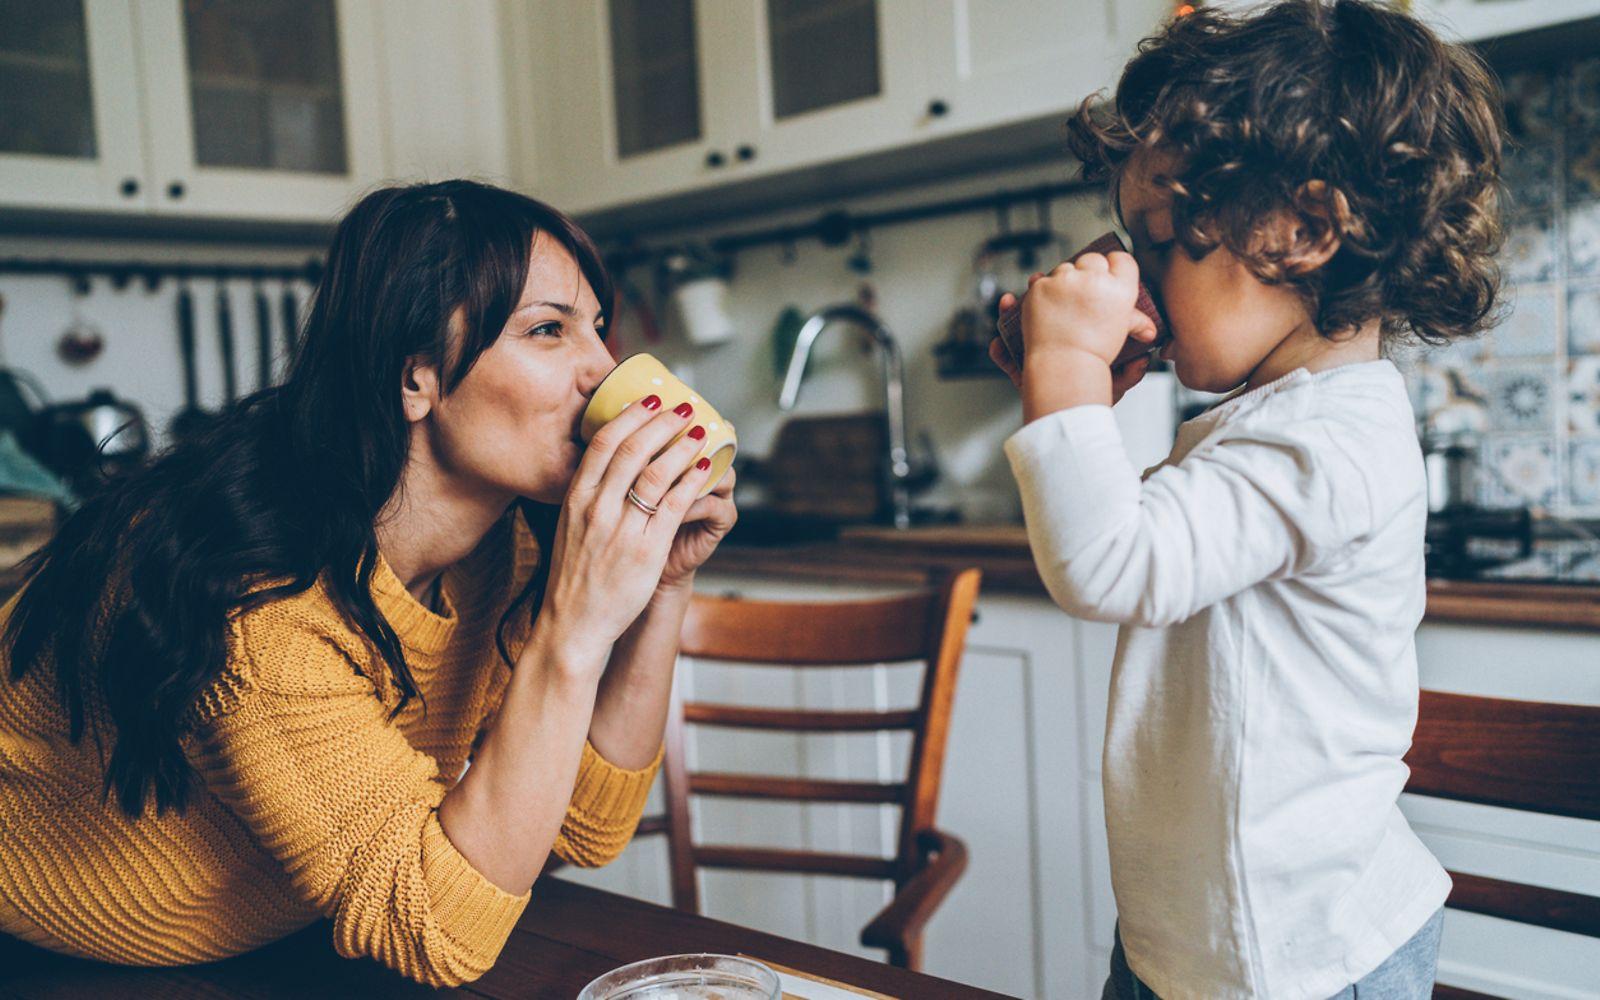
(637, 501)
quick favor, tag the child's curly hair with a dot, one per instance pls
(1403, 131)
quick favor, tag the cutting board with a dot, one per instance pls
(1006, 539)
(828, 467)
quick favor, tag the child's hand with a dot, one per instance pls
(1124, 375)
(1086, 305)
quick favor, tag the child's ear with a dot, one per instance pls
(1313, 227)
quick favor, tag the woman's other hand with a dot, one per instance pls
(707, 523)
(611, 548)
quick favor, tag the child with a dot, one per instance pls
(1301, 186)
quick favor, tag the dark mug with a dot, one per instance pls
(1010, 323)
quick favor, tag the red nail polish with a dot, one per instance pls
(651, 402)
(683, 410)
(703, 464)
(697, 432)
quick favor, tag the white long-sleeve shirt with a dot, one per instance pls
(1268, 577)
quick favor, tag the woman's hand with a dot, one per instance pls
(610, 551)
(708, 521)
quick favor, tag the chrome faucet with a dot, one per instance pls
(897, 464)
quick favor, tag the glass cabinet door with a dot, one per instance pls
(829, 79)
(265, 89)
(655, 74)
(68, 107)
(823, 53)
(634, 97)
(261, 108)
(45, 107)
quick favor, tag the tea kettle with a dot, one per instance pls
(98, 434)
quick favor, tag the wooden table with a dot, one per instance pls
(569, 935)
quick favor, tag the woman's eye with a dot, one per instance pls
(551, 329)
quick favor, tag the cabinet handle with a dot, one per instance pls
(937, 108)
(715, 159)
(746, 153)
(129, 187)
(175, 190)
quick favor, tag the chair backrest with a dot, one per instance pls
(1534, 756)
(929, 626)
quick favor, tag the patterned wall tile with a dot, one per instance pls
(1583, 319)
(1583, 395)
(1529, 255)
(1530, 328)
(1583, 477)
(1583, 91)
(1533, 104)
(1521, 471)
(1522, 397)
(1538, 373)
(1583, 165)
(1529, 175)
(1583, 239)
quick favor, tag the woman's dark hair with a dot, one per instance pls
(130, 601)
(1403, 131)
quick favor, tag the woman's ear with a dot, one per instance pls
(419, 388)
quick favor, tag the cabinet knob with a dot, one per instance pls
(129, 187)
(715, 159)
(938, 108)
(175, 190)
(745, 153)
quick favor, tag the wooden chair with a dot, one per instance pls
(929, 626)
(1527, 755)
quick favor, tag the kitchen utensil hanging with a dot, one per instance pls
(82, 341)
(191, 418)
(230, 386)
(290, 309)
(263, 310)
(695, 281)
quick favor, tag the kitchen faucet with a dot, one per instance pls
(897, 465)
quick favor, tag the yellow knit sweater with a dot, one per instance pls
(315, 803)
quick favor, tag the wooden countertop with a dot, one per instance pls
(883, 555)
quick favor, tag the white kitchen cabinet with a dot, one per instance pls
(269, 110)
(1474, 20)
(628, 96)
(665, 97)
(448, 105)
(993, 62)
(826, 79)
(658, 97)
(265, 110)
(69, 114)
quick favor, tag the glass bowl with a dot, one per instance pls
(686, 977)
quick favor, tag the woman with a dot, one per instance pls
(242, 685)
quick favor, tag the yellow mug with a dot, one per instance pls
(642, 375)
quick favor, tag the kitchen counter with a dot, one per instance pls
(883, 555)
